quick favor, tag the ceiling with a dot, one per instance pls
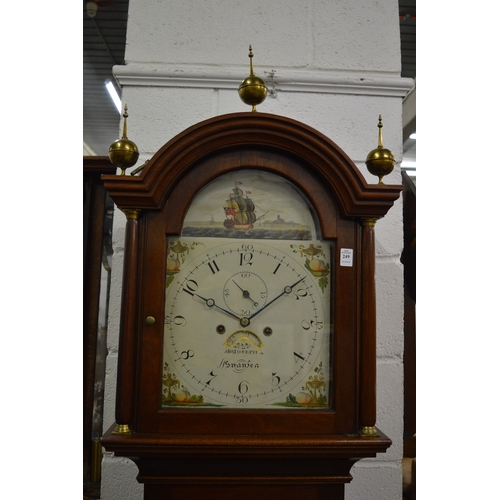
(104, 40)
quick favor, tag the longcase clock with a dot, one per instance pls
(248, 334)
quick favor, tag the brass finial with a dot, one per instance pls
(380, 161)
(123, 153)
(252, 90)
(125, 116)
(250, 55)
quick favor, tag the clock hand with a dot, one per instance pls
(211, 303)
(287, 289)
(246, 294)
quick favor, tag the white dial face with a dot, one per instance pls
(247, 324)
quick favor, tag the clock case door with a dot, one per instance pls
(156, 202)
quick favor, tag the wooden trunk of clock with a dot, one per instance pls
(294, 444)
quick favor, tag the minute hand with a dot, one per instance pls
(287, 289)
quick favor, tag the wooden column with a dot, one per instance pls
(368, 354)
(126, 365)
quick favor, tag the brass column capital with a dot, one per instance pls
(369, 222)
(131, 213)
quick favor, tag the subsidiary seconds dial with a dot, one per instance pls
(246, 325)
(245, 292)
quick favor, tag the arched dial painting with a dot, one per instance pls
(247, 301)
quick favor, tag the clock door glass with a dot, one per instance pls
(247, 309)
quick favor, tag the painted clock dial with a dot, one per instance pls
(247, 308)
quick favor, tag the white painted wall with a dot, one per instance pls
(336, 67)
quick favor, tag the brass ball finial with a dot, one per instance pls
(252, 89)
(380, 161)
(123, 153)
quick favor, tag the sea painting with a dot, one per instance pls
(251, 204)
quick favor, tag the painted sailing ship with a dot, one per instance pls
(239, 210)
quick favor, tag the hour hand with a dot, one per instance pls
(211, 303)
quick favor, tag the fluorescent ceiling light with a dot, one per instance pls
(413, 136)
(114, 95)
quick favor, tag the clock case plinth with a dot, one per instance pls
(202, 467)
(212, 453)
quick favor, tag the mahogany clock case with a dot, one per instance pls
(156, 203)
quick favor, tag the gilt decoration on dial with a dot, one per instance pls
(247, 316)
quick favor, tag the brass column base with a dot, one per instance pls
(369, 432)
(95, 467)
(122, 429)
